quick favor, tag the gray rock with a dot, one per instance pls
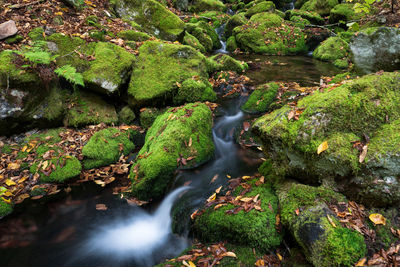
(375, 50)
(7, 29)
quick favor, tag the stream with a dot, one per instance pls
(69, 231)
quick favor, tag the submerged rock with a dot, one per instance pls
(376, 49)
(152, 16)
(368, 106)
(179, 138)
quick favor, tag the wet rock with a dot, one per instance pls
(376, 49)
(179, 138)
(7, 29)
(368, 106)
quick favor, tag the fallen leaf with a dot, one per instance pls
(331, 221)
(212, 197)
(377, 218)
(218, 189)
(361, 262)
(10, 182)
(229, 254)
(188, 264)
(363, 154)
(101, 207)
(13, 166)
(322, 147)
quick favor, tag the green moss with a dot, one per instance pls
(66, 46)
(5, 208)
(261, 98)
(93, 20)
(160, 69)
(14, 39)
(167, 140)
(313, 17)
(89, 109)
(126, 115)
(132, 35)
(231, 44)
(253, 229)
(205, 34)
(223, 62)
(37, 34)
(148, 116)
(322, 7)
(299, 21)
(207, 5)
(217, 18)
(106, 146)
(265, 6)
(98, 35)
(233, 22)
(333, 49)
(66, 167)
(267, 33)
(343, 12)
(193, 90)
(189, 39)
(153, 17)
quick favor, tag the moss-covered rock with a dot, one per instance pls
(254, 228)
(223, 62)
(160, 69)
(66, 167)
(148, 116)
(267, 33)
(265, 6)
(192, 90)
(5, 208)
(207, 5)
(132, 35)
(311, 16)
(216, 18)
(322, 7)
(261, 98)
(233, 22)
(205, 34)
(343, 12)
(299, 21)
(14, 39)
(231, 44)
(37, 34)
(126, 115)
(180, 137)
(365, 106)
(189, 39)
(106, 146)
(335, 50)
(152, 16)
(85, 109)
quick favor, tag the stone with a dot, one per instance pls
(7, 29)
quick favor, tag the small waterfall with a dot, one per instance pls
(220, 31)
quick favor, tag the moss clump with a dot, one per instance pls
(207, 5)
(193, 90)
(222, 62)
(106, 146)
(267, 33)
(333, 49)
(66, 167)
(160, 69)
(265, 6)
(189, 39)
(313, 17)
(343, 12)
(254, 228)
(86, 109)
(126, 115)
(148, 116)
(235, 21)
(322, 7)
(14, 39)
(132, 35)
(183, 132)
(5, 208)
(37, 34)
(217, 18)
(205, 34)
(231, 44)
(261, 98)
(153, 17)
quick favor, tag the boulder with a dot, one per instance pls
(8, 29)
(233, 22)
(343, 12)
(160, 70)
(153, 17)
(376, 49)
(335, 50)
(364, 111)
(268, 33)
(322, 7)
(193, 42)
(206, 35)
(261, 98)
(206, 5)
(179, 138)
(223, 62)
(310, 16)
(265, 6)
(126, 115)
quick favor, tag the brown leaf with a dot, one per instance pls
(363, 154)
(246, 125)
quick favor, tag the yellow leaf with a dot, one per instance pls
(188, 264)
(212, 197)
(229, 177)
(363, 154)
(362, 262)
(99, 182)
(322, 147)
(23, 196)
(229, 254)
(6, 200)
(246, 177)
(170, 116)
(279, 256)
(10, 183)
(331, 221)
(24, 148)
(219, 206)
(7, 194)
(260, 262)
(13, 166)
(218, 189)
(246, 199)
(58, 13)
(377, 218)
(45, 164)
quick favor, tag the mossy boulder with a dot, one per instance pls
(179, 138)
(205, 34)
(66, 167)
(159, 71)
(153, 17)
(311, 16)
(192, 41)
(343, 12)
(223, 62)
(254, 228)
(14, 39)
(233, 22)
(192, 90)
(126, 115)
(206, 5)
(299, 21)
(322, 7)
(231, 44)
(368, 106)
(268, 33)
(86, 108)
(261, 98)
(265, 6)
(36, 34)
(106, 146)
(5, 208)
(305, 214)
(335, 50)
(133, 35)
(215, 18)
(148, 116)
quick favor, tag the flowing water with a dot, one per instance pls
(71, 232)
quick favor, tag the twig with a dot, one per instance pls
(17, 6)
(191, 16)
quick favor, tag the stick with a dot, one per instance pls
(17, 6)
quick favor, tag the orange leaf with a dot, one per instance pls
(377, 218)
